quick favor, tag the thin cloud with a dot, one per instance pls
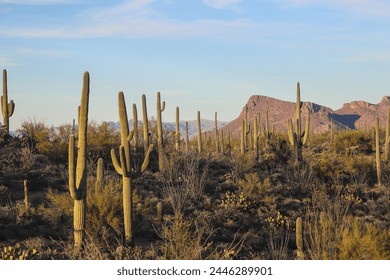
(373, 8)
(36, 2)
(367, 58)
(221, 4)
(43, 52)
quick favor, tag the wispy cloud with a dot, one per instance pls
(36, 2)
(6, 62)
(43, 52)
(367, 57)
(132, 19)
(222, 4)
(361, 7)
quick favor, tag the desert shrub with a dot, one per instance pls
(279, 229)
(240, 165)
(184, 177)
(10, 153)
(236, 202)
(252, 185)
(101, 139)
(362, 241)
(352, 142)
(277, 151)
(325, 218)
(37, 135)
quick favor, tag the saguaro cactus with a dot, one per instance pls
(160, 140)
(99, 176)
(7, 109)
(135, 121)
(387, 140)
(378, 153)
(256, 135)
(299, 238)
(216, 133)
(297, 138)
(199, 134)
(187, 139)
(243, 136)
(145, 124)
(177, 132)
(123, 167)
(78, 170)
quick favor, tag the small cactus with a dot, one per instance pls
(387, 140)
(7, 109)
(299, 238)
(99, 176)
(216, 133)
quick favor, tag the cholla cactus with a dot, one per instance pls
(78, 170)
(7, 109)
(123, 167)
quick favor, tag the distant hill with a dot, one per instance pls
(192, 126)
(354, 115)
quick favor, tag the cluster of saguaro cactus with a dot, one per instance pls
(7, 109)
(298, 138)
(160, 140)
(123, 167)
(78, 170)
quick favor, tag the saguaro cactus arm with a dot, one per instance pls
(145, 163)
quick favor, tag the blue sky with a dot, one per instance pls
(207, 55)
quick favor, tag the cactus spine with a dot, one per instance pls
(135, 120)
(99, 176)
(299, 238)
(7, 109)
(378, 152)
(145, 124)
(78, 170)
(123, 167)
(297, 138)
(387, 140)
(177, 132)
(160, 140)
(199, 134)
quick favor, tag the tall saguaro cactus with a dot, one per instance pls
(199, 134)
(135, 121)
(387, 140)
(378, 153)
(7, 109)
(123, 167)
(256, 135)
(78, 170)
(216, 133)
(177, 132)
(298, 138)
(145, 124)
(160, 140)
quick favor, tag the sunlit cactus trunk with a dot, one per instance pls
(123, 167)
(78, 170)
(160, 140)
(145, 123)
(299, 238)
(7, 109)
(177, 132)
(378, 153)
(199, 135)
